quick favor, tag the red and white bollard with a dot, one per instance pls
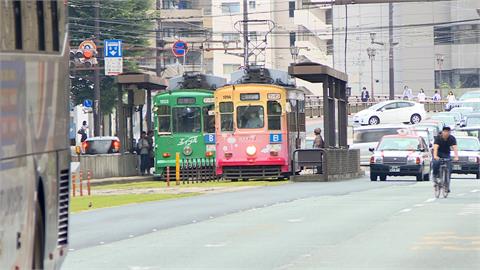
(80, 183)
(88, 182)
(74, 184)
(168, 176)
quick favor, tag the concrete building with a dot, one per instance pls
(295, 25)
(185, 20)
(436, 43)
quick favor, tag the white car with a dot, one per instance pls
(391, 112)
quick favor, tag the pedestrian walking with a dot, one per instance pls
(436, 96)
(318, 142)
(143, 148)
(365, 95)
(421, 96)
(407, 93)
(151, 152)
(451, 97)
(83, 131)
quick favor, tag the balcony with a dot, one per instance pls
(313, 20)
(175, 15)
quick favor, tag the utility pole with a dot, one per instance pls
(391, 71)
(97, 115)
(245, 33)
(440, 59)
(371, 54)
(159, 43)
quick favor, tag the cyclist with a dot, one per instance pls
(441, 149)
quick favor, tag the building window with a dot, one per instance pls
(291, 9)
(329, 16)
(231, 36)
(293, 38)
(330, 47)
(442, 35)
(233, 7)
(230, 68)
(252, 5)
(466, 34)
(458, 78)
(182, 4)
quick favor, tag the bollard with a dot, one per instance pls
(168, 176)
(177, 168)
(73, 184)
(80, 183)
(88, 182)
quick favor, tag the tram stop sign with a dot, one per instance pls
(179, 48)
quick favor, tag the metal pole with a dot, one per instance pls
(149, 109)
(391, 71)
(97, 115)
(346, 39)
(159, 40)
(245, 33)
(371, 77)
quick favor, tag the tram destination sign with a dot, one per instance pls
(249, 96)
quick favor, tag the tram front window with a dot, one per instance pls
(250, 116)
(208, 119)
(186, 119)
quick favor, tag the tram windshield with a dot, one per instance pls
(250, 116)
(208, 119)
(186, 119)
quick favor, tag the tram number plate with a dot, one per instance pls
(457, 167)
(395, 169)
(275, 138)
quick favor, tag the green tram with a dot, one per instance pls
(185, 124)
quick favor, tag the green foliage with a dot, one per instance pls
(125, 20)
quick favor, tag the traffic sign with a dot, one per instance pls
(88, 45)
(112, 48)
(87, 103)
(179, 48)
(113, 66)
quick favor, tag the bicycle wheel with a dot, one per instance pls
(437, 185)
(444, 184)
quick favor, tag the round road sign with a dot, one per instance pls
(88, 45)
(179, 48)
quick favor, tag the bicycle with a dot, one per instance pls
(444, 173)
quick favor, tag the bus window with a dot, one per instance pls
(163, 118)
(250, 116)
(274, 113)
(186, 119)
(226, 116)
(208, 119)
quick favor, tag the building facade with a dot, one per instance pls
(435, 44)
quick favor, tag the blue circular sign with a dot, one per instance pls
(87, 103)
(179, 48)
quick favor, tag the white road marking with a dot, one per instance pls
(215, 245)
(154, 230)
(475, 190)
(419, 205)
(101, 243)
(461, 194)
(430, 200)
(71, 249)
(295, 220)
(210, 217)
(405, 210)
(194, 221)
(131, 235)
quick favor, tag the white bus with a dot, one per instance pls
(34, 149)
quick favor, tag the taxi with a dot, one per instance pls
(468, 155)
(405, 154)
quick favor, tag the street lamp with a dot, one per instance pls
(440, 59)
(371, 55)
(294, 52)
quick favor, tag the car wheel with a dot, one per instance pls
(383, 177)
(419, 177)
(373, 120)
(415, 119)
(373, 177)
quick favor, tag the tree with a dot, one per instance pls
(126, 20)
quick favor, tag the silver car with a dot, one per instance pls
(368, 136)
(469, 156)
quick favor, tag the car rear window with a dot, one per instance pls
(372, 135)
(99, 147)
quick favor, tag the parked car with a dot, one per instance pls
(391, 112)
(472, 103)
(447, 120)
(101, 145)
(401, 155)
(470, 95)
(472, 120)
(466, 97)
(469, 156)
(463, 111)
(367, 137)
(434, 126)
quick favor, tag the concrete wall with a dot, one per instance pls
(109, 165)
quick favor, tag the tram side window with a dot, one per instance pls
(17, 14)
(163, 113)
(274, 112)
(41, 26)
(55, 31)
(250, 116)
(186, 120)
(226, 116)
(208, 119)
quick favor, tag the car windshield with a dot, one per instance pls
(186, 119)
(468, 144)
(378, 106)
(399, 144)
(473, 121)
(372, 135)
(98, 147)
(448, 120)
(470, 95)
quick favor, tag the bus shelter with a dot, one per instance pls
(336, 159)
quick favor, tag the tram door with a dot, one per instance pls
(295, 121)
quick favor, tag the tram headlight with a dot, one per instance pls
(187, 150)
(251, 150)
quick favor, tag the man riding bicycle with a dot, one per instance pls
(441, 149)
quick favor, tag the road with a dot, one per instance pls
(354, 224)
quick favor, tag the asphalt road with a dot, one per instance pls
(354, 224)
